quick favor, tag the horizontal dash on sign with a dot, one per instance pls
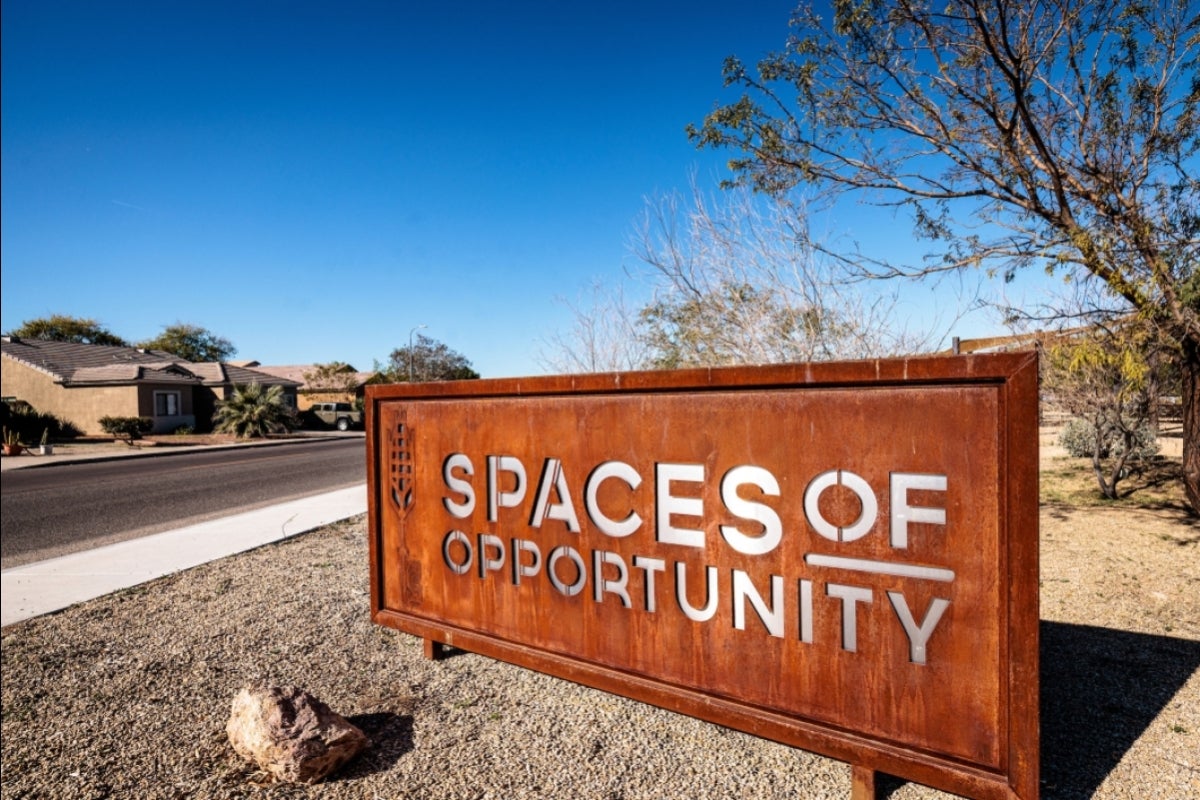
(880, 567)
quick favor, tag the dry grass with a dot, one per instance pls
(1154, 484)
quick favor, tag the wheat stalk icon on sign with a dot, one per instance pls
(402, 466)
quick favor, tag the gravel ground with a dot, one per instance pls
(128, 695)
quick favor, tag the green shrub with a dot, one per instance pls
(127, 428)
(253, 411)
(21, 417)
(1078, 438)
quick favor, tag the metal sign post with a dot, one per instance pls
(840, 557)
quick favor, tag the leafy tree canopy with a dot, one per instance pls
(1060, 133)
(63, 328)
(1103, 378)
(191, 343)
(428, 360)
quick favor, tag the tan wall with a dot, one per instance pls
(81, 406)
(305, 400)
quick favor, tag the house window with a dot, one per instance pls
(166, 404)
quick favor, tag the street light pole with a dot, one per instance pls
(410, 351)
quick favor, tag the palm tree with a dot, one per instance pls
(253, 411)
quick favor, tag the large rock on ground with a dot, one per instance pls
(290, 734)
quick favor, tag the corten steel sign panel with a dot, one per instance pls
(841, 557)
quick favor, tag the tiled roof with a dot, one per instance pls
(293, 372)
(116, 372)
(209, 372)
(130, 373)
(296, 372)
(242, 376)
(71, 363)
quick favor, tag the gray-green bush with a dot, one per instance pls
(1079, 437)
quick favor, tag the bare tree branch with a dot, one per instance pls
(1062, 134)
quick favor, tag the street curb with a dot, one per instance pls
(42, 462)
(43, 587)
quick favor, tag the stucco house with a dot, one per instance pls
(81, 383)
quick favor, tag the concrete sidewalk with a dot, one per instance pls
(45, 586)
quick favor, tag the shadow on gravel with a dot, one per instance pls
(1100, 690)
(391, 737)
(450, 651)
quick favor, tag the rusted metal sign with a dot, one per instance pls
(840, 557)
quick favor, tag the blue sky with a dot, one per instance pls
(313, 180)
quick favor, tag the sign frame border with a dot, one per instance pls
(1016, 376)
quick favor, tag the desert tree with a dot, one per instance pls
(64, 328)
(1058, 134)
(1101, 375)
(726, 280)
(191, 343)
(602, 337)
(736, 280)
(428, 359)
(336, 377)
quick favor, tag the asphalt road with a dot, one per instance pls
(57, 510)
